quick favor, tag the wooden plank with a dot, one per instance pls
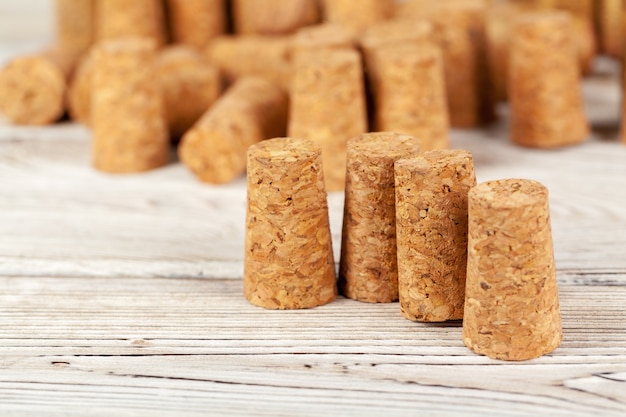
(187, 347)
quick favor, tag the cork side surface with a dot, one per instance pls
(288, 261)
(512, 303)
(431, 222)
(368, 268)
(196, 22)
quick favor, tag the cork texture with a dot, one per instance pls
(512, 302)
(544, 83)
(252, 110)
(75, 28)
(196, 22)
(611, 27)
(410, 93)
(461, 27)
(327, 105)
(79, 90)
(324, 36)
(392, 32)
(357, 15)
(368, 269)
(252, 55)
(123, 19)
(288, 262)
(127, 115)
(274, 17)
(33, 90)
(431, 226)
(189, 85)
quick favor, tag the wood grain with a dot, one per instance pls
(189, 347)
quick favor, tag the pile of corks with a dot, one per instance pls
(240, 71)
(417, 228)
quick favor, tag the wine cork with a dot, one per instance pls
(327, 105)
(252, 55)
(410, 93)
(196, 22)
(431, 225)
(79, 90)
(75, 24)
(391, 33)
(273, 17)
(33, 87)
(252, 110)
(415, 9)
(127, 116)
(461, 25)
(327, 35)
(512, 302)
(368, 269)
(611, 27)
(357, 15)
(189, 85)
(123, 19)
(288, 261)
(544, 82)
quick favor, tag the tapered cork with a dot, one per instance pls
(544, 83)
(196, 22)
(512, 301)
(75, 28)
(324, 36)
(79, 90)
(252, 55)
(274, 17)
(189, 85)
(368, 270)
(410, 93)
(252, 110)
(431, 225)
(327, 105)
(357, 15)
(288, 261)
(127, 115)
(461, 25)
(137, 18)
(33, 88)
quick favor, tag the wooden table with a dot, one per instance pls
(122, 295)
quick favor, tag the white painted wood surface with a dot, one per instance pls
(121, 295)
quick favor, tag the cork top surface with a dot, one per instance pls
(462, 5)
(436, 158)
(393, 31)
(328, 34)
(284, 149)
(509, 193)
(384, 145)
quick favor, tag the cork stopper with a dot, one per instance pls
(288, 261)
(546, 101)
(252, 55)
(368, 270)
(33, 90)
(252, 110)
(431, 223)
(273, 17)
(410, 93)
(189, 85)
(127, 115)
(357, 15)
(512, 303)
(196, 22)
(328, 105)
(79, 90)
(391, 32)
(117, 19)
(461, 27)
(75, 28)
